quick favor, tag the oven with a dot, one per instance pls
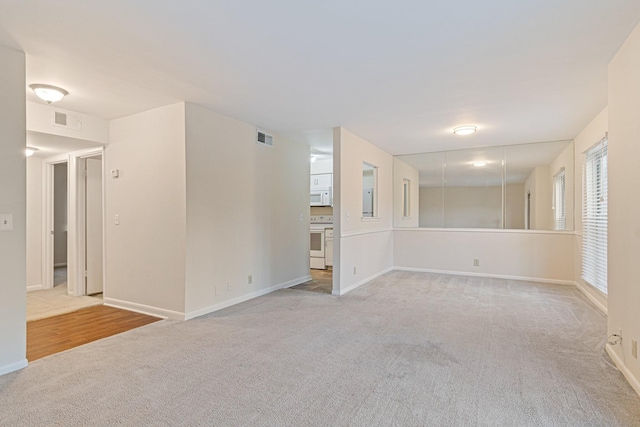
(317, 249)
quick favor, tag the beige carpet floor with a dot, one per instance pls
(408, 349)
(52, 302)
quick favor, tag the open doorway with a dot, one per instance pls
(60, 171)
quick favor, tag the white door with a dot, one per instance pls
(93, 223)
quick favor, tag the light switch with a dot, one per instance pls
(6, 222)
(301, 217)
(116, 219)
(115, 173)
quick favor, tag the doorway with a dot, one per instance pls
(93, 221)
(60, 171)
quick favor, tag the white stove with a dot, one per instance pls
(321, 241)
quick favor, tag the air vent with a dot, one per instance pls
(265, 139)
(69, 121)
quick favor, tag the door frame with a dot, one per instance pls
(48, 217)
(76, 251)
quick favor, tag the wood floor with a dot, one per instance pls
(59, 333)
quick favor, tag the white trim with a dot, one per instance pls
(60, 264)
(360, 233)
(635, 383)
(485, 230)
(13, 367)
(588, 291)
(144, 309)
(245, 297)
(363, 281)
(34, 288)
(494, 276)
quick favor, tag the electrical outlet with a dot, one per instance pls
(249, 279)
(634, 348)
(620, 335)
(476, 262)
(354, 270)
(228, 286)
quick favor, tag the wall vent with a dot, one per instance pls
(69, 121)
(264, 139)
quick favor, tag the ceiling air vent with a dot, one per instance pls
(265, 139)
(69, 121)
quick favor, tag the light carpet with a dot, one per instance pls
(407, 349)
(53, 302)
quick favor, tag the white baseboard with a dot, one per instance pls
(592, 298)
(13, 367)
(245, 297)
(144, 309)
(493, 276)
(635, 383)
(363, 281)
(34, 288)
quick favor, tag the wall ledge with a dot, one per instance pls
(13, 367)
(484, 230)
(245, 297)
(635, 383)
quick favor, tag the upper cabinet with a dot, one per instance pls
(323, 181)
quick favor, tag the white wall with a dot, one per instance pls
(593, 133)
(40, 119)
(145, 254)
(34, 223)
(322, 166)
(514, 206)
(365, 245)
(539, 184)
(245, 202)
(60, 214)
(564, 160)
(536, 255)
(624, 204)
(13, 201)
(402, 171)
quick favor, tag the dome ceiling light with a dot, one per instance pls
(29, 151)
(49, 93)
(465, 130)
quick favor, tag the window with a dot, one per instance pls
(369, 190)
(559, 222)
(594, 217)
(406, 191)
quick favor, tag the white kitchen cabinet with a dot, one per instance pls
(322, 181)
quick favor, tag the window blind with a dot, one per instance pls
(559, 211)
(594, 216)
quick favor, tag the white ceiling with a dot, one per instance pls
(400, 74)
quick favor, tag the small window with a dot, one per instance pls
(595, 217)
(406, 194)
(369, 190)
(559, 210)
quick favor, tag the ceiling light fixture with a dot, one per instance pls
(29, 151)
(479, 163)
(49, 93)
(313, 159)
(465, 130)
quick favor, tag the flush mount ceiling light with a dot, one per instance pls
(313, 159)
(465, 130)
(29, 151)
(49, 93)
(479, 163)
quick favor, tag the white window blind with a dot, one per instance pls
(594, 216)
(559, 201)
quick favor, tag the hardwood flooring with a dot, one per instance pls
(59, 333)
